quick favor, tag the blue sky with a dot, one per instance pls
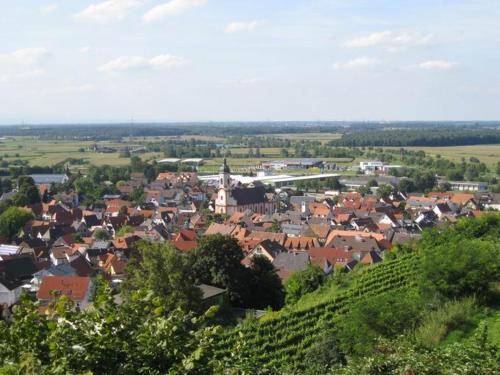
(219, 60)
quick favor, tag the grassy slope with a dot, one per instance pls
(466, 331)
(282, 338)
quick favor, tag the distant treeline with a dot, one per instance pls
(233, 129)
(419, 137)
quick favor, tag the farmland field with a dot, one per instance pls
(46, 153)
(488, 154)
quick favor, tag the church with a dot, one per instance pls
(235, 197)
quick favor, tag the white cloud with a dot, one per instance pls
(234, 27)
(391, 40)
(107, 11)
(22, 64)
(24, 56)
(138, 62)
(84, 49)
(437, 65)
(171, 8)
(356, 63)
(49, 8)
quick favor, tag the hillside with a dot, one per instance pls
(282, 338)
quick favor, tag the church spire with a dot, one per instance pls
(225, 168)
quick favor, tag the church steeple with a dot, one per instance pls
(224, 176)
(224, 168)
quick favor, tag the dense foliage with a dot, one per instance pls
(134, 338)
(12, 220)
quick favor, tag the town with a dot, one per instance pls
(201, 187)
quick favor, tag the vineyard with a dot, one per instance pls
(284, 338)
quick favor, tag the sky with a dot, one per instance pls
(91, 61)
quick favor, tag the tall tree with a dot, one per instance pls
(12, 220)
(217, 261)
(167, 273)
(266, 287)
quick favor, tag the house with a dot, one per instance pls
(320, 230)
(277, 237)
(6, 250)
(212, 296)
(288, 263)
(426, 219)
(112, 264)
(14, 274)
(186, 240)
(301, 243)
(64, 269)
(77, 288)
(334, 256)
(357, 244)
(441, 209)
(224, 229)
(464, 200)
(351, 233)
(293, 230)
(269, 249)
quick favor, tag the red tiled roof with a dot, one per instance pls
(301, 243)
(75, 287)
(185, 246)
(353, 233)
(331, 254)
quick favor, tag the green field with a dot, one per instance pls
(47, 153)
(488, 154)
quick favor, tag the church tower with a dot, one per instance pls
(224, 204)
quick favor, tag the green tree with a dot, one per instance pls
(124, 230)
(27, 192)
(267, 289)
(137, 196)
(303, 282)
(136, 164)
(275, 227)
(12, 220)
(101, 234)
(406, 185)
(166, 272)
(217, 261)
(384, 191)
(136, 337)
(84, 185)
(461, 267)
